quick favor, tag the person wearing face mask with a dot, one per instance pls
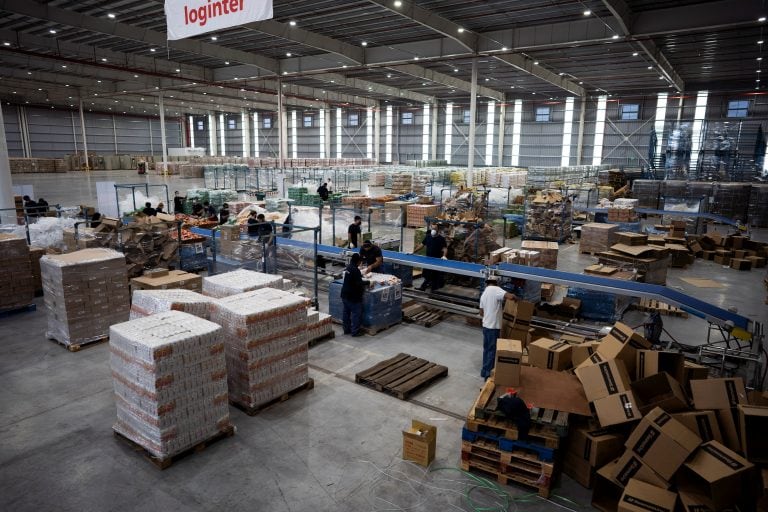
(437, 247)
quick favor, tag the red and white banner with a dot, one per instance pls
(186, 18)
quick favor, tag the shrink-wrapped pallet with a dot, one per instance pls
(239, 281)
(170, 381)
(149, 302)
(266, 344)
(17, 282)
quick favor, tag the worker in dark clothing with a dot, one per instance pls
(516, 410)
(371, 256)
(352, 291)
(42, 207)
(95, 220)
(210, 211)
(353, 232)
(148, 210)
(253, 225)
(288, 226)
(160, 208)
(323, 191)
(224, 214)
(197, 209)
(437, 247)
(178, 202)
(30, 206)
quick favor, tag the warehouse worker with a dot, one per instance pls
(148, 210)
(160, 207)
(197, 209)
(437, 247)
(371, 256)
(178, 202)
(491, 306)
(42, 206)
(354, 231)
(253, 224)
(30, 206)
(322, 190)
(224, 214)
(210, 211)
(352, 290)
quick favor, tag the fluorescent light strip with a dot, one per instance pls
(448, 130)
(517, 122)
(661, 116)
(565, 159)
(489, 126)
(222, 136)
(597, 147)
(244, 131)
(698, 124)
(369, 133)
(294, 136)
(338, 133)
(388, 136)
(425, 133)
(256, 135)
(212, 134)
(192, 131)
(322, 132)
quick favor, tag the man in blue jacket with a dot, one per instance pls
(352, 291)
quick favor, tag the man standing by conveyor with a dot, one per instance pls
(491, 306)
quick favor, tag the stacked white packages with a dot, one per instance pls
(170, 379)
(149, 302)
(266, 344)
(239, 281)
(319, 325)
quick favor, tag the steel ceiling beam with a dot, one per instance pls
(718, 15)
(150, 37)
(526, 65)
(433, 21)
(447, 80)
(374, 87)
(624, 16)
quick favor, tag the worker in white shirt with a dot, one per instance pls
(491, 307)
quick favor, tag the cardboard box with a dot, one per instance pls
(419, 443)
(596, 447)
(728, 420)
(631, 466)
(693, 371)
(718, 393)
(516, 316)
(702, 423)
(662, 443)
(722, 260)
(651, 362)
(741, 264)
(617, 409)
(720, 475)
(579, 469)
(603, 379)
(639, 496)
(754, 426)
(582, 351)
(622, 342)
(509, 354)
(607, 491)
(691, 502)
(550, 354)
(660, 390)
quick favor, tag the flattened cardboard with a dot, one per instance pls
(702, 423)
(603, 379)
(718, 393)
(754, 426)
(617, 409)
(651, 362)
(662, 443)
(660, 390)
(550, 354)
(639, 496)
(509, 354)
(549, 389)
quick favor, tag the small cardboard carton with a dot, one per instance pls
(718, 393)
(603, 379)
(597, 447)
(622, 342)
(579, 469)
(607, 491)
(660, 390)
(754, 425)
(550, 354)
(702, 423)
(693, 371)
(419, 443)
(662, 443)
(720, 475)
(509, 354)
(651, 362)
(642, 497)
(617, 409)
(728, 420)
(692, 502)
(582, 351)
(631, 466)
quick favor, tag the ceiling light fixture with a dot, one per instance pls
(292, 23)
(650, 67)
(111, 16)
(6, 43)
(226, 63)
(455, 70)
(615, 36)
(535, 63)
(398, 3)
(504, 48)
(461, 30)
(364, 43)
(587, 12)
(289, 54)
(416, 58)
(761, 19)
(759, 58)
(760, 42)
(153, 50)
(103, 59)
(214, 38)
(635, 54)
(52, 31)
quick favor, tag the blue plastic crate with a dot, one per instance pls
(382, 306)
(193, 256)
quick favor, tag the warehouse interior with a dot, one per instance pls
(602, 161)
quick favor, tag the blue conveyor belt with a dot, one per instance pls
(629, 288)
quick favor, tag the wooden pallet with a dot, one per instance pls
(538, 451)
(509, 462)
(166, 462)
(256, 409)
(423, 315)
(75, 347)
(373, 331)
(506, 475)
(662, 307)
(401, 375)
(503, 428)
(320, 339)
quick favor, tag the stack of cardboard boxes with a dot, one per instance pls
(597, 237)
(633, 250)
(415, 214)
(16, 279)
(737, 252)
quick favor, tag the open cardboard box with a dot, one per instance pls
(754, 427)
(651, 362)
(639, 496)
(702, 423)
(419, 443)
(660, 390)
(550, 354)
(603, 379)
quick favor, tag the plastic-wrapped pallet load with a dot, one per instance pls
(266, 344)
(597, 237)
(16, 279)
(170, 380)
(319, 325)
(239, 281)
(382, 304)
(148, 302)
(85, 292)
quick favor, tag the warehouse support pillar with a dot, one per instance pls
(433, 132)
(7, 215)
(163, 141)
(212, 133)
(472, 116)
(280, 124)
(377, 133)
(502, 115)
(580, 142)
(85, 139)
(246, 133)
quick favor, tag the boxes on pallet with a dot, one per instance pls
(509, 354)
(547, 252)
(415, 214)
(597, 237)
(382, 304)
(266, 344)
(173, 279)
(239, 281)
(170, 381)
(149, 302)
(17, 283)
(85, 292)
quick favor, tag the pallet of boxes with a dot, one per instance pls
(17, 282)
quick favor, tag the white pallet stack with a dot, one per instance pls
(266, 344)
(170, 380)
(239, 281)
(148, 302)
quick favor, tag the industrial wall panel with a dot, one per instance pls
(12, 131)
(200, 132)
(233, 134)
(50, 132)
(133, 135)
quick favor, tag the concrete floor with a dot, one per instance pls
(336, 447)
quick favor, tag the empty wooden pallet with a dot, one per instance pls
(401, 375)
(422, 315)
